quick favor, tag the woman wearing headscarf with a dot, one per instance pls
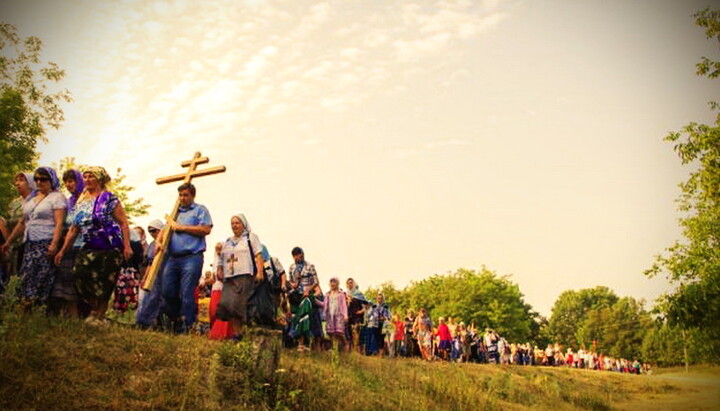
(26, 189)
(41, 226)
(240, 266)
(356, 312)
(25, 185)
(64, 293)
(101, 220)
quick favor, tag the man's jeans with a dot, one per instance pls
(179, 280)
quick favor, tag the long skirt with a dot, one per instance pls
(219, 329)
(95, 273)
(372, 340)
(38, 272)
(316, 323)
(65, 288)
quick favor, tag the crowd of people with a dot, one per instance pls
(75, 254)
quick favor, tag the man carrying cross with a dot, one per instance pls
(184, 263)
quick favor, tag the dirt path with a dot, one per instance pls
(691, 378)
(693, 392)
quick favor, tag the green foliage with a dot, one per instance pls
(480, 297)
(133, 207)
(597, 317)
(571, 310)
(663, 346)
(27, 105)
(710, 20)
(693, 264)
(618, 329)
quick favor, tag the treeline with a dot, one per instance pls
(594, 318)
(480, 297)
(622, 327)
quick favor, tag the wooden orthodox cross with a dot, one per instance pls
(165, 233)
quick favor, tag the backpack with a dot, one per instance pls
(272, 276)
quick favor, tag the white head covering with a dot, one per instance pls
(134, 236)
(156, 224)
(244, 221)
(30, 178)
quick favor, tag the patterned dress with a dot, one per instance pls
(98, 262)
(336, 312)
(37, 270)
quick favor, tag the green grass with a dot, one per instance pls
(60, 364)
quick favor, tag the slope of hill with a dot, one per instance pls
(57, 364)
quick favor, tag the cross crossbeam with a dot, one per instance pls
(166, 232)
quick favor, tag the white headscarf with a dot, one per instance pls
(30, 178)
(244, 222)
(156, 224)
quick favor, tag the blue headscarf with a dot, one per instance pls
(79, 187)
(54, 181)
(265, 253)
(355, 293)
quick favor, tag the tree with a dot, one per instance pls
(693, 263)
(570, 311)
(391, 294)
(27, 106)
(618, 330)
(133, 207)
(483, 298)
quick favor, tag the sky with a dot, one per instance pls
(394, 140)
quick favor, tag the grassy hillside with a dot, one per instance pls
(52, 364)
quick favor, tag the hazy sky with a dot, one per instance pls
(394, 140)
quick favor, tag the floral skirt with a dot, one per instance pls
(95, 273)
(38, 272)
(126, 290)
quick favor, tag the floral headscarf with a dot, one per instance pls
(79, 187)
(54, 181)
(99, 173)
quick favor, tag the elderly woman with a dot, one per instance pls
(101, 220)
(64, 293)
(26, 189)
(240, 266)
(41, 225)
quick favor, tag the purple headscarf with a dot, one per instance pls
(54, 181)
(79, 187)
